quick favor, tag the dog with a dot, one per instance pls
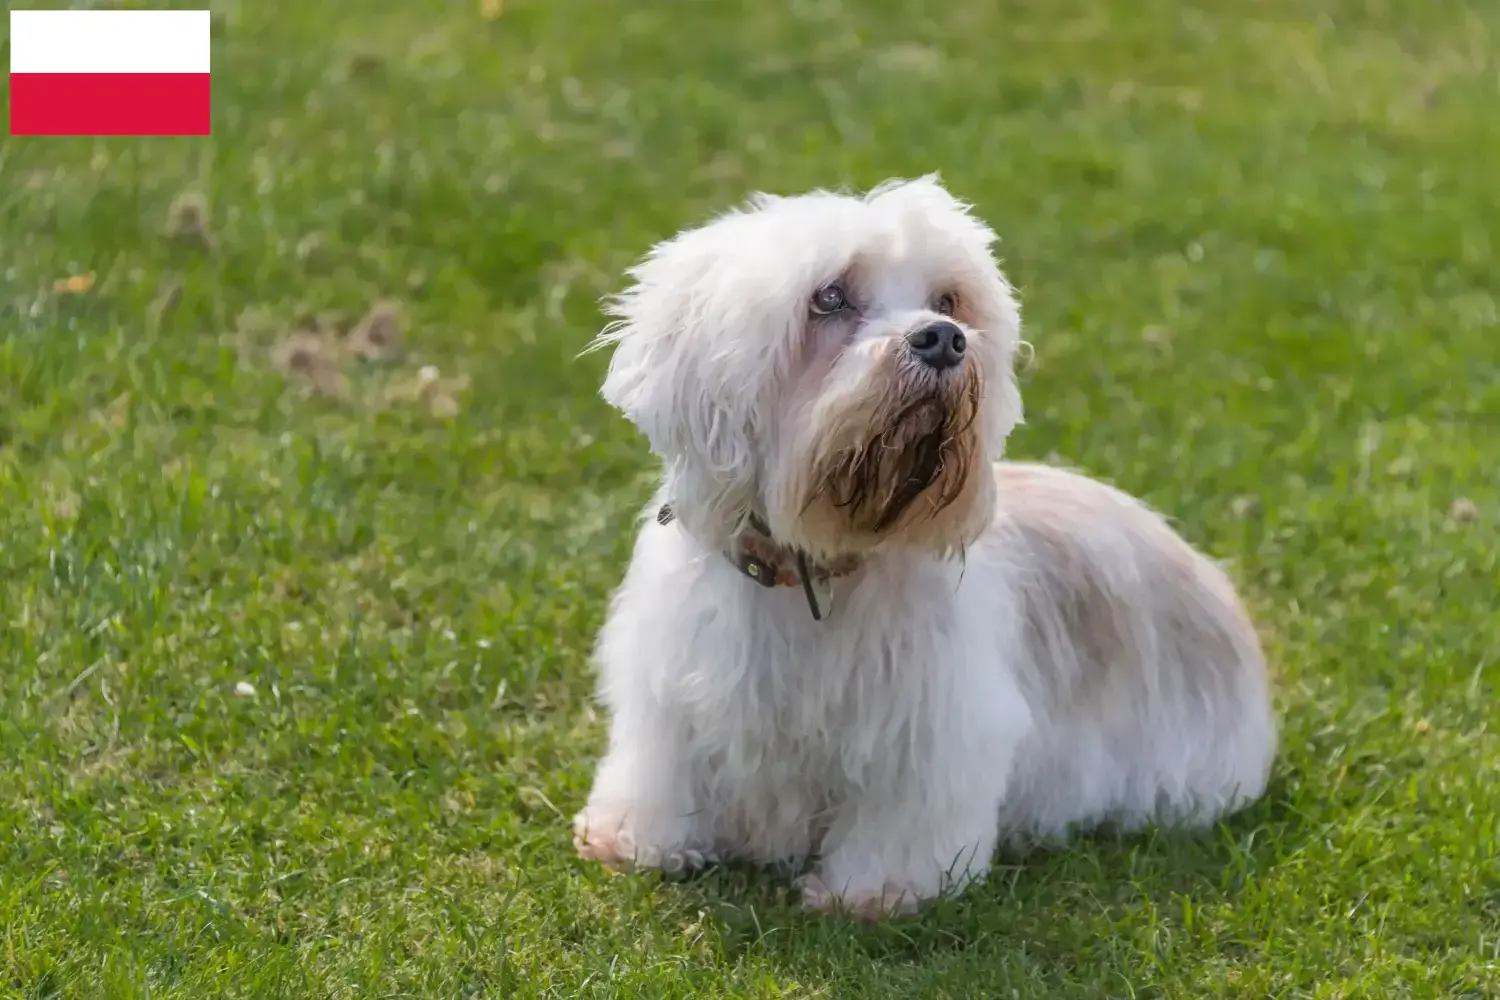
(853, 641)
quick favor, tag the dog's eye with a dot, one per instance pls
(829, 299)
(946, 303)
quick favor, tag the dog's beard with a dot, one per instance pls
(897, 458)
(918, 448)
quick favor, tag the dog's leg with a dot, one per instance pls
(894, 855)
(925, 820)
(642, 811)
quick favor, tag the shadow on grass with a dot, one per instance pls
(1049, 904)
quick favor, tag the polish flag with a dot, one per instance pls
(109, 72)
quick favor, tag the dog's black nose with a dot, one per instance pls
(940, 345)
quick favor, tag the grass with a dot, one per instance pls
(294, 689)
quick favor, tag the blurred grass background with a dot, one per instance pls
(294, 691)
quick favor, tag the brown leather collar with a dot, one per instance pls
(769, 563)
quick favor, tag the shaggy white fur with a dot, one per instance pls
(1017, 651)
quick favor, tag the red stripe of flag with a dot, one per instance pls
(109, 104)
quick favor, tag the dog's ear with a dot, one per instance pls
(998, 315)
(672, 376)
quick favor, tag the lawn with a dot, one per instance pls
(295, 697)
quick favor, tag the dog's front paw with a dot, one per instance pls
(867, 905)
(613, 843)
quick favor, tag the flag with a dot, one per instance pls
(109, 72)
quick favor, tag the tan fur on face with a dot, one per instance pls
(895, 460)
(915, 447)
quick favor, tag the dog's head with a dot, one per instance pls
(841, 365)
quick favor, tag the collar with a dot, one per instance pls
(769, 563)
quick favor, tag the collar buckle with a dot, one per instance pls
(757, 569)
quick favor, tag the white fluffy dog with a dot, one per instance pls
(846, 636)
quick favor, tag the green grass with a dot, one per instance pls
(1256, 244)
